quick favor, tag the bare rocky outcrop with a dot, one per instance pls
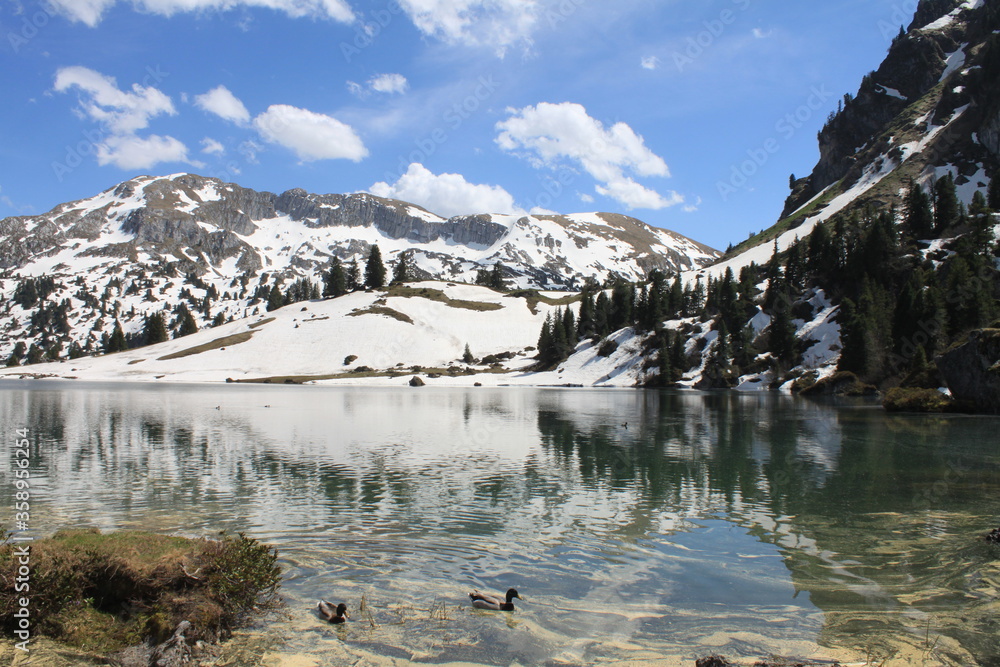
(972, 371)
(866, 126)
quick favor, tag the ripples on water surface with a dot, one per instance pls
(745, 525)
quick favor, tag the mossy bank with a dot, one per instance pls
(131, 595)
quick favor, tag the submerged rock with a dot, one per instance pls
(972, 371)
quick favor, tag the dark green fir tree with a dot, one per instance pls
(374, 269)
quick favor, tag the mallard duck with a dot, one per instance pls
(327, 611)
(482, 601)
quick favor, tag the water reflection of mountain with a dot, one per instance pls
(875, 515)
(870, 514)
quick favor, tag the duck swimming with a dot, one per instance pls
(335, 616)
(483, 601)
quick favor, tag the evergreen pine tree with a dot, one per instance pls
(496, 278)
(946, 205)
(675, 301)
(37, 356)
(155, 329)
(374, 269)
(335, 279)
(979, 207)
(353, 276)
(666, 377)
(545, 353)
(17, 353)
(116, 343)
(560, 344)
(185, 322)
(467, 355)
(782, 333)
(275, 299)
(917, 212)
(993, 196)
(602, 315)
(742, 343)
(401, 273)
(585, 324)
(622, 303)
(569, 327)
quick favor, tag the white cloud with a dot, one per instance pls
(120, 111)
(90, 12)
(212, 147)
(355, 88)
(311, 136)
(692, 208)
(446, 194)
(380, 83)
(122, 114)
(633, 195)
(584, 197)
(132, 152)
(552, 133)
(388, 83)
(650, 62)
(761, 34)
(223, 104)
(496, 23)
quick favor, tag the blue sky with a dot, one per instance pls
(687, 115)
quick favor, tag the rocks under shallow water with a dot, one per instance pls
(993, 536)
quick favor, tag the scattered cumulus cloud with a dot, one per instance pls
(585, 198)
(650, 62)
(550, 134)
(446, 194)
(355, 88)
(133, 152)
(693, 208)
(122, 114)
(221, 102)
(497, 23)
(90, 12)
(212, 147)
(759, 33)
(380, 83)
(311, 136)
(388, 83)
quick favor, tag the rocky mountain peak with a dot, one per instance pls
(947, 60)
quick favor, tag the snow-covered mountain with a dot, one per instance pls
(185, 243)
(931, 108)
(150, 244)
(210, 228)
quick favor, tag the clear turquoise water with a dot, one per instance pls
(746, 525)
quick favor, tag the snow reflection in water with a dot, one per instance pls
(746, 525)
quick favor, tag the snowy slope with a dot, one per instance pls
(312, 340)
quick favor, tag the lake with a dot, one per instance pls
(642, 526)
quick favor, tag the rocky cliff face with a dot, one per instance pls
(948, 59)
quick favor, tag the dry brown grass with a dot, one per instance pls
(226, 341)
